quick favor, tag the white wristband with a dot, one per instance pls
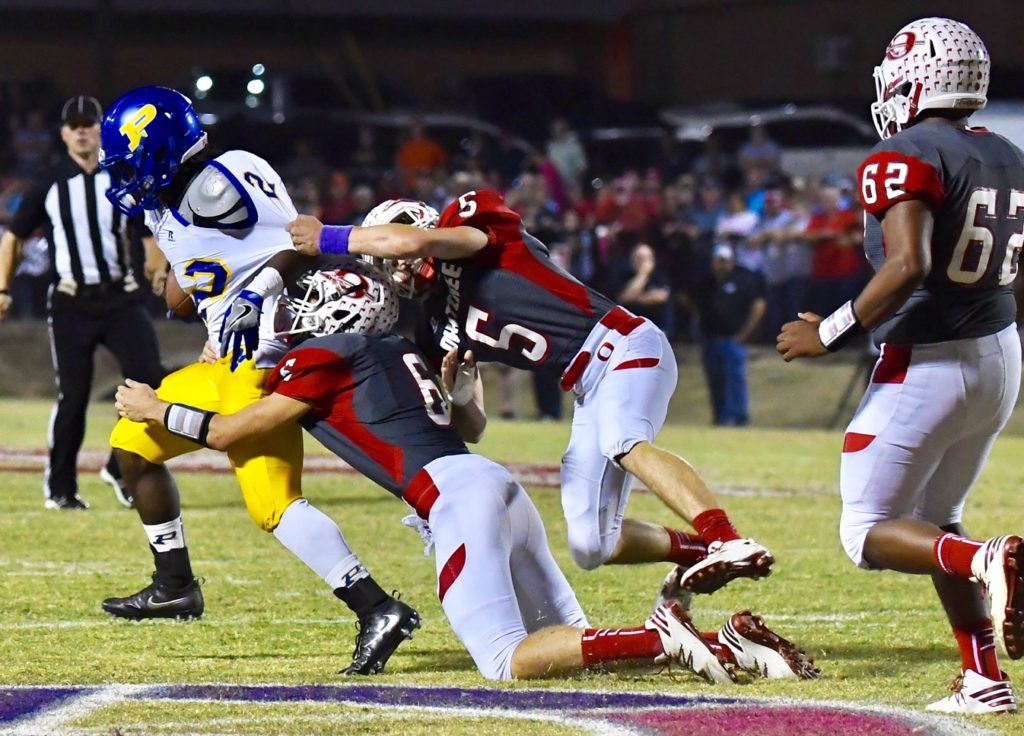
(188, 422)
(837, 328)
(268, 281)
(465, 385)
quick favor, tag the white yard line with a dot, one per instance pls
(50, 720)
(54, 719)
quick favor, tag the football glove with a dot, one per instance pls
(241, 328)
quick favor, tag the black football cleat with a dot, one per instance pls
(158, 600)
(65, 503)
(380, 633)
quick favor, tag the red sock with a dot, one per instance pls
(714, 526)
(607, 645)
(954, 554)
(978, 649)
(687, 549)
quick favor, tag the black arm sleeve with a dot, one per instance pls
(31, 213)
(137, 227)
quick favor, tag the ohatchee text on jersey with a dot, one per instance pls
(973, 182)
(509, 303)
(374, 403)
(215, 264)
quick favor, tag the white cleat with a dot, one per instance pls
(760, 650)
(975, 694)
(737, 558)
(672, 591)
(999, 566)
(121, 493)
(684, 645)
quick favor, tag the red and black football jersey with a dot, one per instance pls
(509, 303)
(973, 181)
(375, 404)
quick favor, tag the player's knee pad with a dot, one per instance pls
(266, 502)
(614, 442)
(586, 547)
(267, 517)
(498, 664)
(853, 532)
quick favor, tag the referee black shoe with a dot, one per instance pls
(380, 633)
(65, 503)
(158, 600)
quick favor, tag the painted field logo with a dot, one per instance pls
(46, 709)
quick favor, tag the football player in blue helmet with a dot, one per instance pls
(145, 138)
(219, 218)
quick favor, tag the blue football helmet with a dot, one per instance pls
(146, 135)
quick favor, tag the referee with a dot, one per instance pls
(94, 299)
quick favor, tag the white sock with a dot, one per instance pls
(314, 538)
(166, 536)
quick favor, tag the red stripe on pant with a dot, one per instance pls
(637, 363)
(621, 320)
(893, 365)
(451, 571)
(855, 442)
(421, 494)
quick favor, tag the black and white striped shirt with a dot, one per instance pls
(84, 231)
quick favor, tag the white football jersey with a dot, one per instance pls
(215, 264)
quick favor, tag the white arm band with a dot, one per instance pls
(839, 328)
(266, 282)
(188, 422)
(464, 389)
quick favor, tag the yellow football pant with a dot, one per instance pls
(268, 467)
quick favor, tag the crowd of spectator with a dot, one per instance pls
(720, 249)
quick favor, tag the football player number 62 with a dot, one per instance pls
(968, 263)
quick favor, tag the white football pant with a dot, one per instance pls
(923, 431)
(497, 579)
(622, 398)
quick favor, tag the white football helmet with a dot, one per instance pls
(409, 277)
(355, 298)
(932, 63)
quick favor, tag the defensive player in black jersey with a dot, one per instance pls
(372, 400)
(945, 226)
(493, 289)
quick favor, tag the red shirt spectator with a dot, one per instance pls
(837, 233)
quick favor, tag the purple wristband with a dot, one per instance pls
(334, 239)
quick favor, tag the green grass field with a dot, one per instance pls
(879, 638)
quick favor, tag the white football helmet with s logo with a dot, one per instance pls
(356, 298)
(932, 63)
(409, 277)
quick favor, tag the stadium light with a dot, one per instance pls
(258, 69)
(204, 83)
(255, 86)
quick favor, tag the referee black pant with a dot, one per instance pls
(78, 324)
